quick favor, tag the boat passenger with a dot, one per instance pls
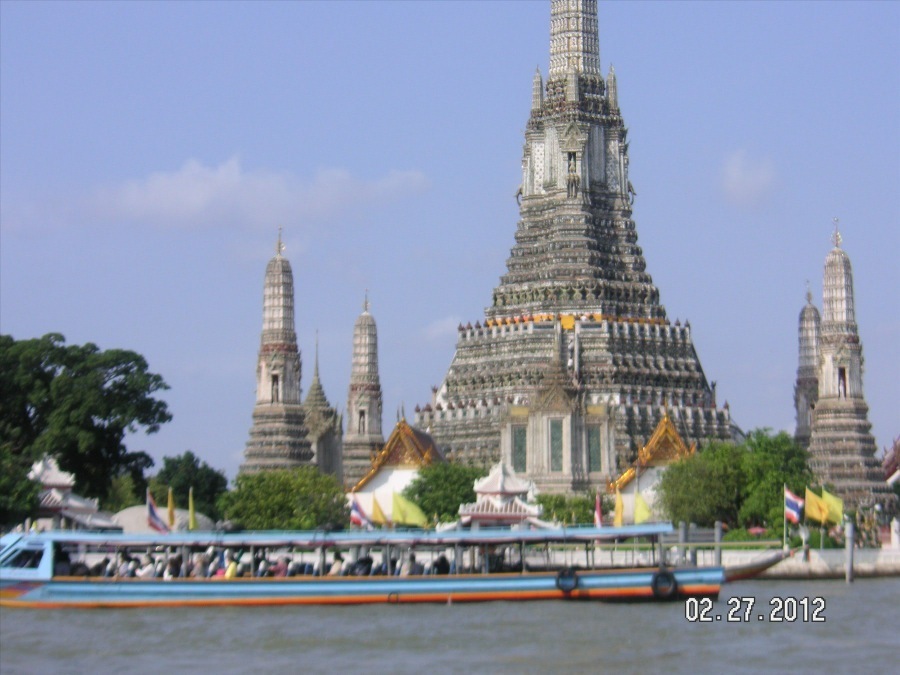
(363, 566)
(280, 568)
(147, 570)
(62, 566)
(124, 562)
(173, 568)
(231, 566)
(441, 565)
(337, 567)
(411, 567)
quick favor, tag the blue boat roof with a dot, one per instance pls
(346, 538)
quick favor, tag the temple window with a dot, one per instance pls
(519, 449)
(275, 390)
(361, 426)
(593, 448)
(842, 382)
(556, 445)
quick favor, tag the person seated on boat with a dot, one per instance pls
(279, 568)
(411, 567)
(122, 570)
(363, 566)
(337, 567)
(216, 562)
(62, 565)
(200, 568)
(441, 565)
(173, 568)
(99, 569)
(231, 566)
(147, 570)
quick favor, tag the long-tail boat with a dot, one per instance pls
(75, 569)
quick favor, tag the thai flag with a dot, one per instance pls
(793, 507)
(153, 518)
(357, 517)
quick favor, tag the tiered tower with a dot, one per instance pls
(363, 437)
(841, 445)
(806, 391)
(278, 437)
(325, 426)
(576, 361)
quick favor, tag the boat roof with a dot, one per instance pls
(345, 538)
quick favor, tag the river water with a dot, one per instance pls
(859, 634)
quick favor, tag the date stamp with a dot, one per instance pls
(739, 609)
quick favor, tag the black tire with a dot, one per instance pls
(567, 579)
(664, 585)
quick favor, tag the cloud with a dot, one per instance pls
(442, 329)
(199, 196)
(747, 181)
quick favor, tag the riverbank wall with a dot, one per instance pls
(824, 563)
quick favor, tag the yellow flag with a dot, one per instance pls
(406, 512)
(816, 507)
(192, 516)
(641, 510)
(378, 516)
(171, 509)
(620, 510)
(835, 507)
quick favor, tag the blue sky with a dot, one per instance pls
(150, 151)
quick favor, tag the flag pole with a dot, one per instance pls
(784, 515)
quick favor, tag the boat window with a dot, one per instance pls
(27, 558)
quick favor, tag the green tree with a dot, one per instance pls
(286, 499)
(705, 487)
(76, 403)
(122, 494)
(572, 510)
(18, 493)
(441, 488)
(183, 472)
(770, 463)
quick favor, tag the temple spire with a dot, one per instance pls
(574, 41)
(278, 435)
(537, 90)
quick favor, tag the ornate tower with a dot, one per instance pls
(841, 445)
(325, 426)
(576, 361)
(806, 391)
(364, 401)
(278, 435)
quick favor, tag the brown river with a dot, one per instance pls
(859, 633)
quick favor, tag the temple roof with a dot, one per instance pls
(664, 447)
(502, 481)
(406, 448)
(47, 472)
(498, 509)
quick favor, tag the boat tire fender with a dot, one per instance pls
(567, 579)
(664, 585)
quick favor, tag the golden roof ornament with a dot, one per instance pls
(836, 238)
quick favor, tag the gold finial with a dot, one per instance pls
(279, 247)
(836, 238)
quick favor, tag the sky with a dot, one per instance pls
(149, 152)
